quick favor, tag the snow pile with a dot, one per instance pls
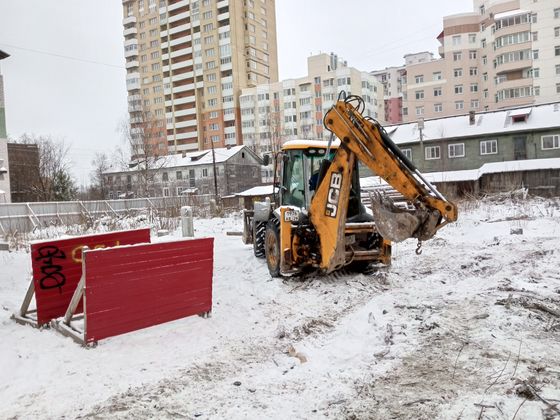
(468, 329)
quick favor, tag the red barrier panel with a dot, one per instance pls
(129, 288)
(57, 268)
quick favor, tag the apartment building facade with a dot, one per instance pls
(294, 108)
(190, 76)
(394, 83)
(504, 54)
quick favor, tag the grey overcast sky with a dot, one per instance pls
(66, 75)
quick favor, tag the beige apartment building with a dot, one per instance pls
(187, 61)
(394, 83)
(294, 108)
(506, 53)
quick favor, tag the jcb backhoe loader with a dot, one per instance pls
(317, 219)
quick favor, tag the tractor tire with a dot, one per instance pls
(259, 230)
(272, 247)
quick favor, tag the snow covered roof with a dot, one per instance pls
(475, 174)
(310, 143)
(199, 157)
(486, 123)
(510, 13)
(256, 191)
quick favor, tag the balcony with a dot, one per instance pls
(222, 3)
(180, 16)
(185, 100)
(131, 52)
(223, 16)
(129, 20)
(130, 31)
(132, 64)
(130, 42)
(514, 65)
(177, 5)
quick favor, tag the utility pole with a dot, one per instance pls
(214, 170)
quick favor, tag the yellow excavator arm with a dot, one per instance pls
(364, 139)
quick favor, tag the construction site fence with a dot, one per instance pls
(27, 217)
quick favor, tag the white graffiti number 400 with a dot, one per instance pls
(331, 209)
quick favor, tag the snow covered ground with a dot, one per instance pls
(469, 329)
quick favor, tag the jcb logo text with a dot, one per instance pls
(333, 196)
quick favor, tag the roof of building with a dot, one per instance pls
(3, 55)
(486, 123)
(475, 174)
(256, 191)
(200, 157)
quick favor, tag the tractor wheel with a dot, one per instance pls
(272, 248)
(259, 231)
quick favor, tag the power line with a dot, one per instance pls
(67, 57)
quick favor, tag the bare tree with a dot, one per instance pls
(145, 135)
(101, 164)
(50, 180)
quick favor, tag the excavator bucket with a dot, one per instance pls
(397, 224)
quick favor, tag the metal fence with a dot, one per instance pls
(26, 217)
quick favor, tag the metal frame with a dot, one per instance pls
(64, 325)
(25, 316)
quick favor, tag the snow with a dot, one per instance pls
(510, 13)
(310, 143)
(256, 191)
(428, 337)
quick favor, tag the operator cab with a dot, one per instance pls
(300, 176)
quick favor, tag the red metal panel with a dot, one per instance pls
(129, 288)
(57, 267)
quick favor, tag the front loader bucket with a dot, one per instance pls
(396, 224)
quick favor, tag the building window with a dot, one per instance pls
(215, 139)
(166, 191)
(419, 110)
(457, 56)
(557, 69)
(456, 150)
(458, 73)
(474, 104)
(458, 89)
(473, 71)
(472, 38)
(438, 108)
(557, 13)
(431, 152)
(407, 153)
(459, 105)
(557, 50)
(456, 39)
(557, 87)
(165, 176)
(489, 147)
(437, 91)
(419, 94)
(474, 87)
(436, 75)
(472, 54)
(419, 78)
(204, 172)
(557, 32)
(550, 142)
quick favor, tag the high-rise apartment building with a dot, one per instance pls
(189, 77)
(506, 53)
(294, 108)
(144, 79)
